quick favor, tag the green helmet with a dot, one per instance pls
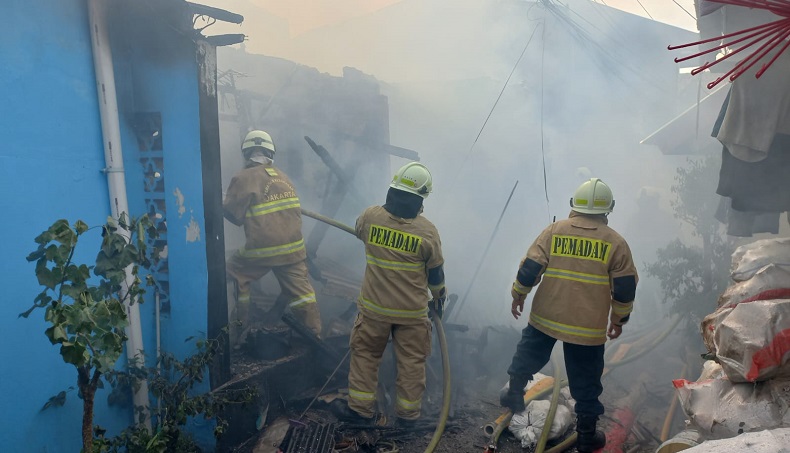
(258, 140)
(413, 178)
(593, 197)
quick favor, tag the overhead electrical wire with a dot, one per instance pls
(542, 142)
(504, 86)
(503, 89)
(646, 11)
(586, 40)
(684, 9)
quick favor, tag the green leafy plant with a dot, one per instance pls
(84, 305)
(693, 275)
(172, 383)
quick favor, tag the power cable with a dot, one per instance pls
(456, 311)
(646, 11)
(684, 9)
(586, 40)
(503, 89)
(542, 145)
(469, 153)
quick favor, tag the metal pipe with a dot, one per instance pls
(116, 181)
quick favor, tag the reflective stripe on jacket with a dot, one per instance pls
(579, 257)
(262, 198)
(399, 253)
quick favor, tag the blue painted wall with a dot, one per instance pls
(51, 158)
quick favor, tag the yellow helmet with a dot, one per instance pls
(593, 197)
(258, 140)
(413, 178)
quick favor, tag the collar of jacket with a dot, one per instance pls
(590, 221)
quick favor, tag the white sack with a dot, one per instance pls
(711, 370)
(720, 409)
(752, 343)
(709, 325)
(527, 425)
(772, 277)
(767, 441)
(748, 259)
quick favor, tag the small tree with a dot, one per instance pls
(172, 382)
(692, 274)
(84, 305)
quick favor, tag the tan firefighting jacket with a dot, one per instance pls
(580, 256)
(399, 253)
(264, 200)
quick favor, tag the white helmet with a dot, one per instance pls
(413, 178)
(258, 140)
(593, 197)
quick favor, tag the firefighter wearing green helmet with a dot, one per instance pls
(404, 273)
(587, 281)
(263, 200)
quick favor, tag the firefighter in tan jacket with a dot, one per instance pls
(588, 281)
(404, 273)
(263, 200)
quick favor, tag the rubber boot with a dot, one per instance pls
(344, 413)
(590, 439)
(513, 397)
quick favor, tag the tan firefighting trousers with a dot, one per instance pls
(412, 345)
(294, 284)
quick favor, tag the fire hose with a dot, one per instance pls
(445, 412)
(540, 390)
(504, 420)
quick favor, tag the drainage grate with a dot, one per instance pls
(313, 438)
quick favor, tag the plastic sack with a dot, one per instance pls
(750, 258)
(709, 325)
(752, 343)
(711, 370)
(767, 441)
(780, 392)
(769, 282)
(537, 377)
(720, 409)
(527, 426)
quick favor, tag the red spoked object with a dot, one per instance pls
(767, 37)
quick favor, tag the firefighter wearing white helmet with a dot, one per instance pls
(263, 200)
(587, 288)
(404, 274)
(414, 178)
(593, 197)
(258, 142)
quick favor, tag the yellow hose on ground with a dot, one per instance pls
(503, 422)
(437, 434)
(540, 388)
(508, 415)
(567, 443)
(555, 399)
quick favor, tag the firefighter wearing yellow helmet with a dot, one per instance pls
(587, 280)
(404, 273)
(263, 200)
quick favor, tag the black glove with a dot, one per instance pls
(437, 306)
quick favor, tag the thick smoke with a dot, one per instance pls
(591, 83)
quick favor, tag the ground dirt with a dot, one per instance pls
(479, 363)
